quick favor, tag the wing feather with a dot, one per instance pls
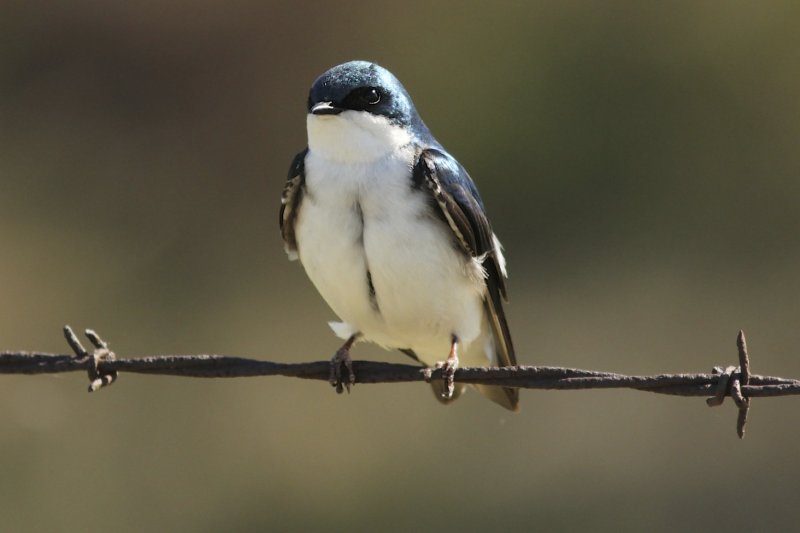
(460, 205)
(290, 202)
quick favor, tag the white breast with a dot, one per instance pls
(362, 214)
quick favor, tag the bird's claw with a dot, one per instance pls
(341, 362)
(448, 368)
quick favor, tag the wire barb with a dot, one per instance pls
(742, 402)
(731, 381)
(101, 353)
(95, 339)
(74, 343)
(723, 387)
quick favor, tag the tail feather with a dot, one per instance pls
(505, 396)
(502, 355)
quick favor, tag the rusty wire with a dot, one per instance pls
(103, 367)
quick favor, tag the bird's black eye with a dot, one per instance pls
(362, 99)
(371, 95)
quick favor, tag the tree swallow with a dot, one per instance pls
(392, 232)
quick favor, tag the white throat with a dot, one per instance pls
(354, 136)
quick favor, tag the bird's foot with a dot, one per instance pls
(448, 368)
(341, 363)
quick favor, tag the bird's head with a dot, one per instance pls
(359, 111)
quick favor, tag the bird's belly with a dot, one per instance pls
(384, 262)
(422, 287)
(330, 248)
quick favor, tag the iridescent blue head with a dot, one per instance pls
(362, 86)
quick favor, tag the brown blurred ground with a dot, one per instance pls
(640, 161)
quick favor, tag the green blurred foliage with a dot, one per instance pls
(640, 161)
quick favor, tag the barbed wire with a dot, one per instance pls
(103, 367)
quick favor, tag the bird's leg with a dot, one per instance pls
(341, 359)
(449, 368)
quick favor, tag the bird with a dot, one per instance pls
(392, 232)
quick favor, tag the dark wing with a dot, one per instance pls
(460, 206)
(290, 202)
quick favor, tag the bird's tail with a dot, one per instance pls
(500, 351)
(505, 396)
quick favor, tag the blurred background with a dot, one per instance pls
(639, 160)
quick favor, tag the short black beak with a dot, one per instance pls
(325, 108)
